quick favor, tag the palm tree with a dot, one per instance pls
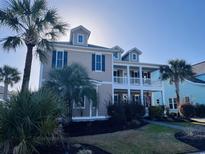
(9, 76)
(28, 120)
(35, 25)
(176, 72)
(72, 84)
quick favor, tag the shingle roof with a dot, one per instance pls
(89, 45)
(195, 80)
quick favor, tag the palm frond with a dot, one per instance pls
(12, 42)
(38, 8)
(43, 47)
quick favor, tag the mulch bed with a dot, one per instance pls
(73, 149)
(197, 139)
(98, 127)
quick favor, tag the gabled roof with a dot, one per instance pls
(82, 28)
(132, 50)
(118, 48)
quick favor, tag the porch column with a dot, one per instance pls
(97, 105)
(142, 96)
(91, 105)
(128, 83)
(163, 97)
(141, 81)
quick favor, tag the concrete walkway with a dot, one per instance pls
(183, 128)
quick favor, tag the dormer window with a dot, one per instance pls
(80, 38)
(116, 55)
(134, 57)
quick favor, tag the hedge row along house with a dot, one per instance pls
(119, 75)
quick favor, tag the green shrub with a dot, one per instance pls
(117, 113)
(187, 110)
(200, 110)
(125, 112)
(156, 112)
(27, 120)
(134, 111)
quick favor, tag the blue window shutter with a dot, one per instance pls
(93, 62)
(54, 59)
(65, 59)
(103, 63)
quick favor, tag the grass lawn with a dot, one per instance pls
(148, 139)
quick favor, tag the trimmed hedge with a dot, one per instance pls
(200, 110)
(187, 110)
(156, 112)
(125, 112)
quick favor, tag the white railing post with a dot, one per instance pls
(128, 82)
(140, 73)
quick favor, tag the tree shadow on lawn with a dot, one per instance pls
(76, 129)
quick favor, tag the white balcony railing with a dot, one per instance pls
(134, 81)
(120, 80)
(150, 82)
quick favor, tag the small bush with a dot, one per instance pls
(187, 110)
(200, 110)
(125, 112)
(117, 113)
(156, 112)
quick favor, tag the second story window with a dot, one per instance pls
(59, 59)
(98, 62)
(80, 38)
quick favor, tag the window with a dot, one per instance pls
(115, 98)
(80, 38)
(134, 56)
(173, 103)
(98, 63)
(116, 55)
(59, 59)
(187, 100)
(80, 104)
(170, 103)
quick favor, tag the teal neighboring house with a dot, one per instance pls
(191, 90)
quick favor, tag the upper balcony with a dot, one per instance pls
(136, 76)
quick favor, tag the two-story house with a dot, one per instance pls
(119, 75)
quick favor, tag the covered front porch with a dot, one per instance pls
(145, 97)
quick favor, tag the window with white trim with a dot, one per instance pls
(134, 57)
(59, 59)
(80, 38)
(98, 62)
(187, 100)
(172, 103)
(116, 55)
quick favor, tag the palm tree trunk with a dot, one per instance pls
(27, 68)
(177, 93)
(5, 91)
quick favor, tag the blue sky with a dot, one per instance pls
(161, 29)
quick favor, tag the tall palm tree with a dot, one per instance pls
(9, 76)
(34, 24)
(72, 84)
(176, 72)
